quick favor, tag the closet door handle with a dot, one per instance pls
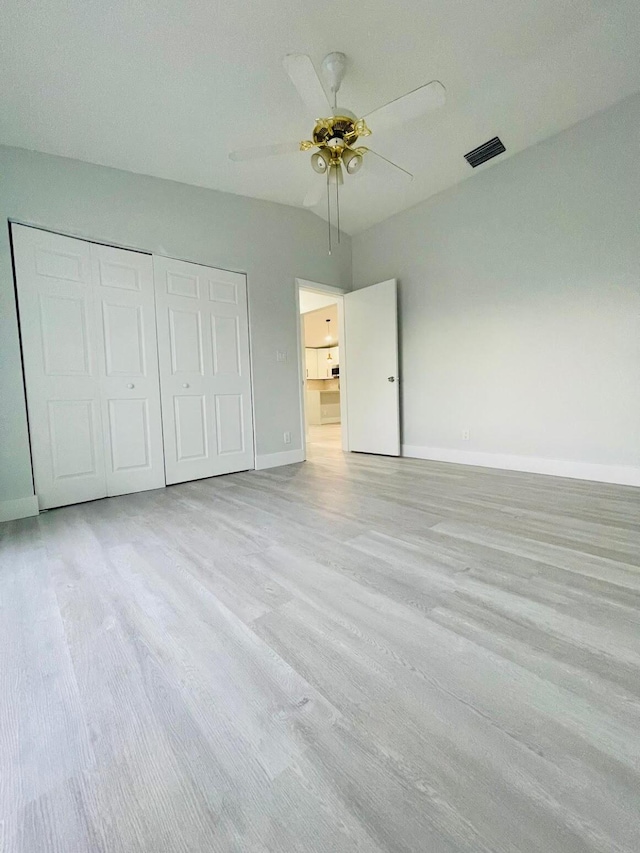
(185, 385)
(130, 385)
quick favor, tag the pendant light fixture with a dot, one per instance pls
(328, 338)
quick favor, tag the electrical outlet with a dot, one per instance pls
(465, 435)
(287, 438)
(281, 355)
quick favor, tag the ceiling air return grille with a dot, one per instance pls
(485, 152)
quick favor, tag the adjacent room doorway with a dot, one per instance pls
(349, 382)
(322, 392)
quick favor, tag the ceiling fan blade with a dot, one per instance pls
(410, 106)
(379, 165)
(304, 77)
(265, 151)
(315, 192)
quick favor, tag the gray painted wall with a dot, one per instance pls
(272, 243)
(520, 300)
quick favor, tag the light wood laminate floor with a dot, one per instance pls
(353, 654)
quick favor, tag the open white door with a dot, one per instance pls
(371, 343)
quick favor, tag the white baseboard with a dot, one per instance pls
(20, 508)
(274, 460)
(623, 475)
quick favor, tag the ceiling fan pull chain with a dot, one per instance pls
(338, 206)
(329, 210)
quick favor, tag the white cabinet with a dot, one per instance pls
(324, 364)
(323, 407)
(318, 366)
(311, 362)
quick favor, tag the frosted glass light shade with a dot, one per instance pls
(320, 161)
(352, 161)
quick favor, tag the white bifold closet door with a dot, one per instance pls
(204, 370)
(87, 325)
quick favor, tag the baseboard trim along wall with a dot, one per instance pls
(623, 475)
(20, 508)
(274, 460)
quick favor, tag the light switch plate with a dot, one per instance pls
(281, 355)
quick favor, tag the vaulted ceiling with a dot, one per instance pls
(169, 87)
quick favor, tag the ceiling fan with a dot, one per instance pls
(336, 135)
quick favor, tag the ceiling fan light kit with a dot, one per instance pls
(336, 136)
(320, 161)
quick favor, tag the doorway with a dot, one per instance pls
(322, 359)
(363, 413)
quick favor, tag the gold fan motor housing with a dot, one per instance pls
(336, 127)
(336, 133)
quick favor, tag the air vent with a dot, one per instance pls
(485, 152)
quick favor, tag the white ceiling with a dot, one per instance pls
(316, 328)
(169, 88)
(310, 300)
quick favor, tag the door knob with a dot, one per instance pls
(185, 385)
(130, 385)
(391, 378)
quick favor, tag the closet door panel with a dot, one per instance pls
(130, 436)
(230, 379)
(185, 338)
(204, 370)
(225, 335)
(59, 333)
(72, 429)
(124, 341)
(191, 429)
(229, 423)
(130, 390)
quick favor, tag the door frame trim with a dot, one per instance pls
(339, 293)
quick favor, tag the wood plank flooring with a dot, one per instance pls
(352, 654)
